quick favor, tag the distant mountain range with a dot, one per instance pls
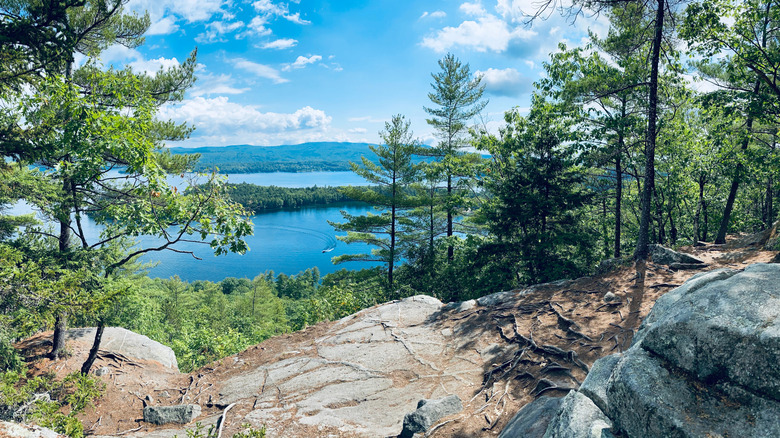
(304, 157)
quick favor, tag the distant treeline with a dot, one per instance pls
(305, 157)
(258, 198)
(268, 167)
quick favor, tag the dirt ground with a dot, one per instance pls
(549, 336)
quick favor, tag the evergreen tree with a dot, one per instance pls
(538, 195)
(457, 97)
(390, 180)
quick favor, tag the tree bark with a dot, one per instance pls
(724, 223)
(392, 238)
(619, 181)
(94, 350)
(770, 214)
(697, 229)
(642, 250)
(58, 339)
(61, 322)
(450, 249)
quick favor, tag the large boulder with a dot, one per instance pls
(664, 256)
(726, 331)
(429, 412)
(127, 343)
(178, 414)
(14, 430)
(579, 417)
(533, 419)
(703, 363)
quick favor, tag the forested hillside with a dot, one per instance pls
(662, 130)
(305, 157)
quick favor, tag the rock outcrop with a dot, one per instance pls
(532, 421)
(177, 414)
(429, 412)
(675, 260)
(125, 342)
(14, 430)
(703, 363)
(360, 376)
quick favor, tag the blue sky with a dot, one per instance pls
(273, 72)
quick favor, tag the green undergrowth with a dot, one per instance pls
(47, 401)
(200, 431)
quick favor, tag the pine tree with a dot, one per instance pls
(457, 97)
(388, 192)
(538, 195)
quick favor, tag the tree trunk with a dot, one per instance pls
(770, 214)
(698, 236)
(392, 240)
(724, 222)
(94, 350)
(706, 221)
(58, 339)
(659, 217)
(450, 249)
(61, 323)
(604, 226)
(619, 182)
(642, 249)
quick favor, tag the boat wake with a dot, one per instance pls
(328, 240)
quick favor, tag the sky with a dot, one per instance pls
(285, 72)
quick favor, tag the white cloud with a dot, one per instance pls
(165, 13)
(358, 130)
(475, 9)
(213, 85)
(504, 82)
(120, 56)
(268, 9)
(434, 14)
(302, 62)
(164, 26)
(296, 18)
(280, 44)
(219, 121)
(152, 66)
(215, 114)
(699, 84)
(216, 29)
(366, 119)
(257, 26)
(260, 70)
(488, 33)
(517, 10)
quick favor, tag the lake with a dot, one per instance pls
(301, 179)
(287, 241)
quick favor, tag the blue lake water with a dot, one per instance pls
(303, 179)
(287, 241)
